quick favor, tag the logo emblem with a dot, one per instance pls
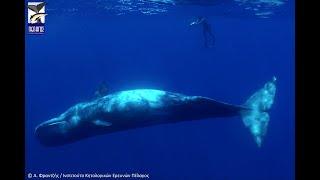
(36, 17)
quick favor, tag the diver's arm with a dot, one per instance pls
(198, 21)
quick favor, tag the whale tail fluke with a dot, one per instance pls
(257, 118)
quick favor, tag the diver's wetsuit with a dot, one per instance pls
(207, 34)
(209, 38)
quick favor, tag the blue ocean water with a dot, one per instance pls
(138, 44)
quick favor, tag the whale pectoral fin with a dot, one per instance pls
(102, 123)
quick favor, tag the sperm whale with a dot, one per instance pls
(146, 107)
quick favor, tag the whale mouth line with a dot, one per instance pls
(53, 123)
(48, 124)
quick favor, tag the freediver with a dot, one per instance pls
(209, 39)
(102, 90)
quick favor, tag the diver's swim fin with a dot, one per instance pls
(257, 118)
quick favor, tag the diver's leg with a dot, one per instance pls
(205, 36)
(210, 39)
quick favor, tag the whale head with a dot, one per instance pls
(58, 130)
(52, 132)
(75, 124)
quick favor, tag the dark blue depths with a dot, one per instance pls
(78, 51)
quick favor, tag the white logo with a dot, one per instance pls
(36, 17)
(29, 175)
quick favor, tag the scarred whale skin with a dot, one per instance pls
(146, 107)
(126, 110)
